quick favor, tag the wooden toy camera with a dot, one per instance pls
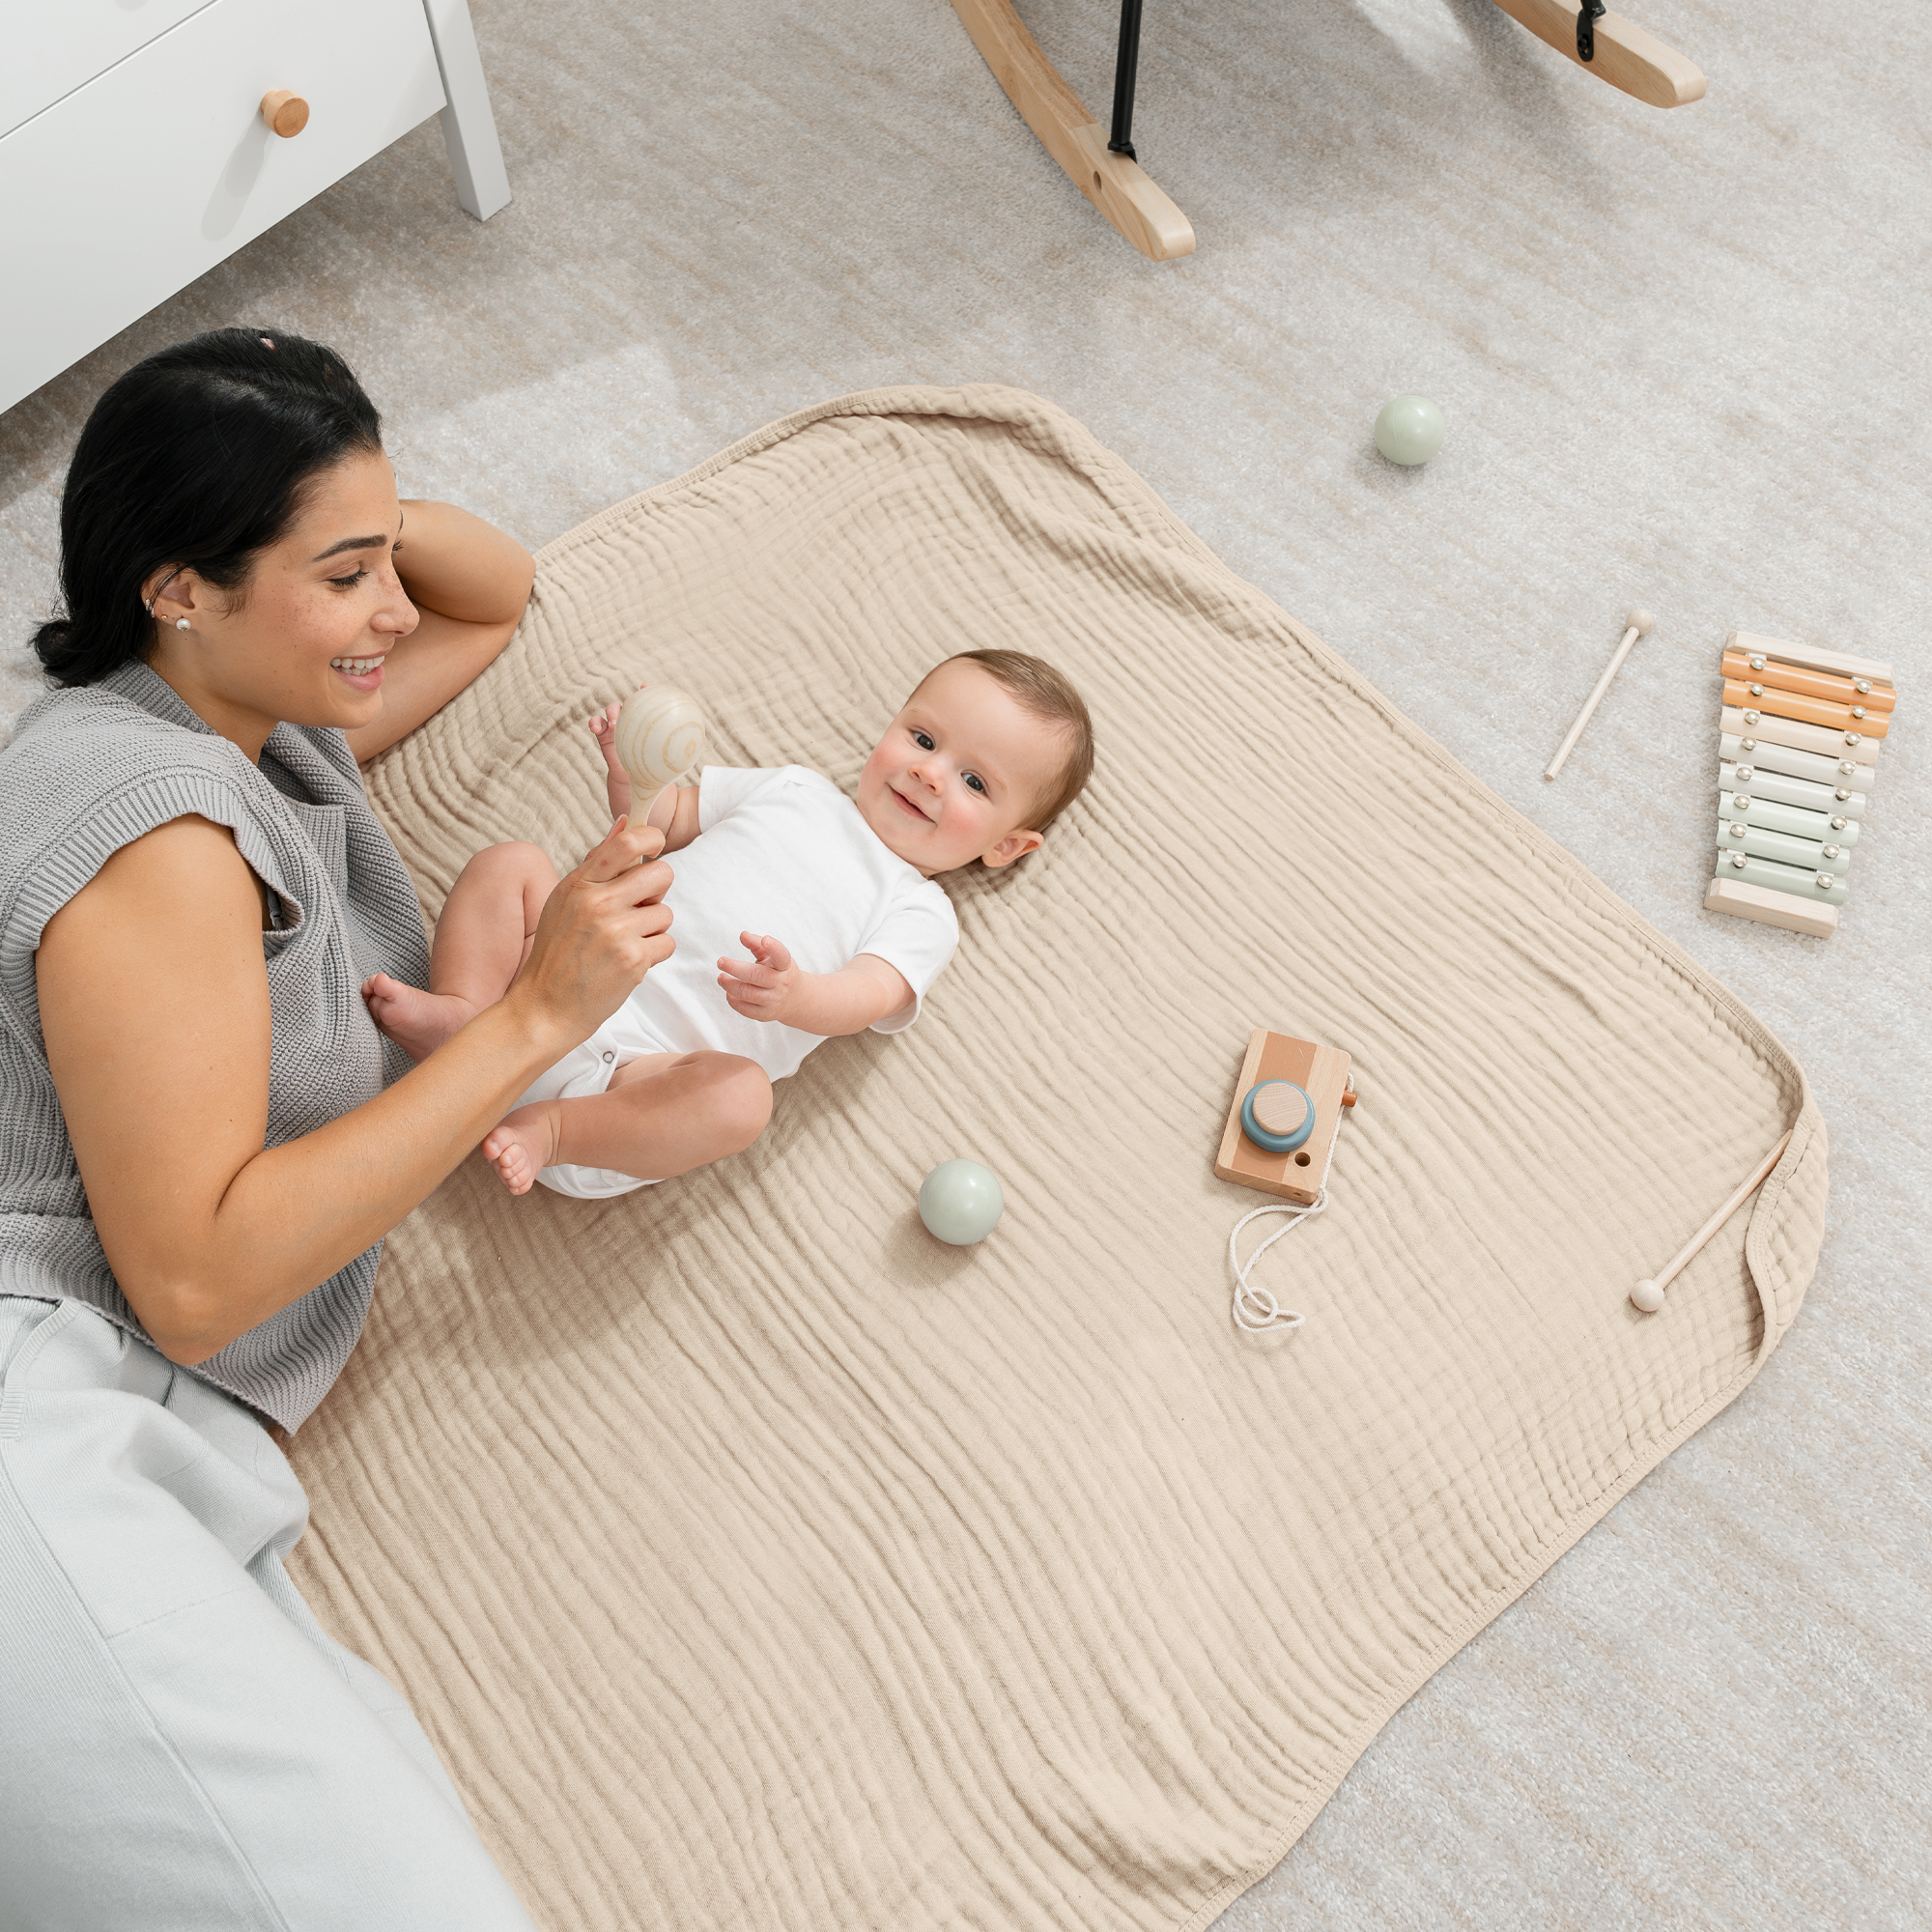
(1281, 1127)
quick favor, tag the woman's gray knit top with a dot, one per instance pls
(90, 770)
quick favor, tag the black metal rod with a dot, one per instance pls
(1592, 12)
(1126, 65)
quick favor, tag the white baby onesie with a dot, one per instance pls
(783, 852)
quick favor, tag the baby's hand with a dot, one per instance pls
(617, 780)
(759, 987)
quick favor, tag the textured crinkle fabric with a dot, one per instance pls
(754, 1559)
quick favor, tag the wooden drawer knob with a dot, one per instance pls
(285, 112)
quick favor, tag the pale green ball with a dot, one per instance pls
(1410, 430)
(960, 1202)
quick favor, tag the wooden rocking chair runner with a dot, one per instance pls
(1110, 175)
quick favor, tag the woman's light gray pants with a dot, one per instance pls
(182, 1747)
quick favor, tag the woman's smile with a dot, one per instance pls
(364, 673)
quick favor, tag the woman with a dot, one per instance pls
(203, 1140)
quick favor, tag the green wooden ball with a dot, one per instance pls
(961, 1203)
(1410, 430)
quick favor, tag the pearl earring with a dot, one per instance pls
(181, 623)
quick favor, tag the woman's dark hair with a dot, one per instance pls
(199, 455)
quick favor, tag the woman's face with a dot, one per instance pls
(305, 637)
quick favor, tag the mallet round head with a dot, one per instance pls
(1647, 1296)
(1642, 622)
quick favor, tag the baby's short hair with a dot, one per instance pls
(1049, 694)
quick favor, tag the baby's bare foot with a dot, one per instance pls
(418, 1022)
(520, 1142)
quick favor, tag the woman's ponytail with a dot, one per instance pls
(53, 646)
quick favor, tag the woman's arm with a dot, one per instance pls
(471, 582)
(154, 1012)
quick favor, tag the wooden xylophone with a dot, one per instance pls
(1797, 761)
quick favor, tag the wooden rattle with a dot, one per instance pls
(659, 736)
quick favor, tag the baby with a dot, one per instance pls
(833, 898)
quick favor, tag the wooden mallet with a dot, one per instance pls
(1638, 622)
(1648, 1294)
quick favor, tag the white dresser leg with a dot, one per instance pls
(468, 126)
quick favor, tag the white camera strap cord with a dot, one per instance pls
(1254, 1309)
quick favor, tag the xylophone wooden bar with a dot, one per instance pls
(1760, 722)
(1812, 710)
(1806, 657)
(1744, 667)
(1826, 828)
(1762, 841)
(1798, 881)
(1764, 753)
(1837, 800)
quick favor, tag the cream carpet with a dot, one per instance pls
(1684, 363)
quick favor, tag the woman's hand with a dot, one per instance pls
(471, 582)
(603, 927)
(154, 1012)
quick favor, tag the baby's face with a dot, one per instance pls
(958, 773)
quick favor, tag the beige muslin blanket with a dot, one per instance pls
(753, 1559)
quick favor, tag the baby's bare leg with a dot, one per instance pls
(661, 1115)
(482, 940)
(488, 923)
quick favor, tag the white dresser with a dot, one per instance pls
(134, 153)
